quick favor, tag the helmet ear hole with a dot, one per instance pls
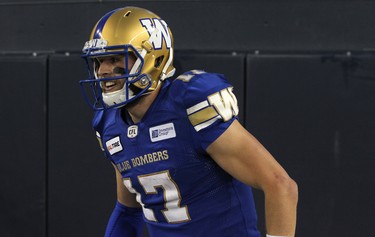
(158, 61)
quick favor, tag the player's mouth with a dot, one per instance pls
(110, 86)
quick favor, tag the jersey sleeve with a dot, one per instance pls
(210, 104)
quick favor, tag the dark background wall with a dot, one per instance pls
(304, 75)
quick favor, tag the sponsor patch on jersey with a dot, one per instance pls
(162, 132)
(132, 131)
(114, 145)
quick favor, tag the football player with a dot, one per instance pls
(184, 164)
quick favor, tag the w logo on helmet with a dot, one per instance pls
(158, 31)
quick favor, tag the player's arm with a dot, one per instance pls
(242, 156)
(126, 219)
(123, 195)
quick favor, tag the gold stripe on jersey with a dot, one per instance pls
(203, 115)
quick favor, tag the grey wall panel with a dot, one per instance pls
(230, 25)
(313, 113)
(290, 107)
(356, 149)
(231, 65)
(81, 186)
(23, 146)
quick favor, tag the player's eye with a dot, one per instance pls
(115, 59)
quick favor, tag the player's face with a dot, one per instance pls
(111, 66)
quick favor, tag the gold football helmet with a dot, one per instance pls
(128, 31)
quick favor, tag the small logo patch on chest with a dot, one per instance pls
(132, 131)
(162, 132)
(114, 145)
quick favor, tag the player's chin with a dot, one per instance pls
(133, 103)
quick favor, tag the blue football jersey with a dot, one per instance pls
(163, 160)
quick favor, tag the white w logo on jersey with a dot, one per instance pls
(161, 33)
(225, 103)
